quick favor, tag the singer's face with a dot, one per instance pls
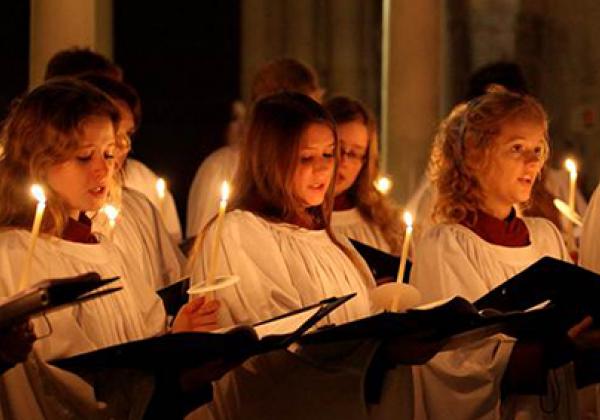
(314, 169)
(83, 180)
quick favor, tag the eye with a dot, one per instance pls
(328, 155)
(539, 151)
(306, 159)
(109, 155)
(516, 148)
(84, 158)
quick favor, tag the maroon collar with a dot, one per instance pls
(510, 232)
(79, 230)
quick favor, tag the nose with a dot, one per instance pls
(323, 165)
(102, 167)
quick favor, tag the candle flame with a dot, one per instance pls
(161, 187)
(38, 192)
(571, 165)
(383, 184)
(408, 219)
(111, 212)
(224, 191)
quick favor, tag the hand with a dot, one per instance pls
(16, 343)
(584, 336)
(197, 315)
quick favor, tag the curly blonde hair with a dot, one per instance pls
(464, 142)
(42, 130)
(375, 207)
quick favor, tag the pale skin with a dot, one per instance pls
(354, 141)
(515, 162)
(82, 182)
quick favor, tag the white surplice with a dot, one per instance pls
(284, 267)
(351, 224)
(141, 237)
(453, 260)
(36, 390)
(139, 177)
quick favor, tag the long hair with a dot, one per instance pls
(283, 74)
(42, 130)
(269, 158)
(464, 142)
(372, 205)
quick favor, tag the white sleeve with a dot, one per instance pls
(589, 247)
(471, 374)
(247, 249)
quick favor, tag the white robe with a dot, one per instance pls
(452, 260)
(141, 178)
(143, 240)
(589, 257)
(284, 267)
(205, 192)
(351, 224)
(36, 390)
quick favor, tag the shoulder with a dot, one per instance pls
(540, 226)
(134, 165)
(134, 198)
(14, 239)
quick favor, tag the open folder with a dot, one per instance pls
(187, 350)
(175, 295)
(546, 298)
(53, 294)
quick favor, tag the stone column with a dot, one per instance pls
(60, 24)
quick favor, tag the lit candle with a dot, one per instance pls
(38, 192)
(112, 213)
(383, 184)
(214, 256)
(161, 188)
(408, 220)
(572, 168)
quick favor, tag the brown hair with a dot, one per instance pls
(75, 61)
(463, 143)
(283, 74)
(42, 130)
(372, 205)
(269, 157)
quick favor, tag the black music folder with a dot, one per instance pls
(193, 349)
(175, 296)
(381, 264)
(52, 294)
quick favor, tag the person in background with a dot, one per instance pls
(277, 75)
(360, 211)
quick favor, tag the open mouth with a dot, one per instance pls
(97, 191)
(527, 180)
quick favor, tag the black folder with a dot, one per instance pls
(53, 294)
(193, 349)
(175, 296)
(381, 264)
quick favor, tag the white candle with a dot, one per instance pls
(112, 213)
(408, 220)
(161, 188)
(214, 256)
(383, 184)
(38, 192)
(572, 168)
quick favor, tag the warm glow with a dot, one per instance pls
(161, 187)
(383, 184)
(408, 219)
(38, 192)
(224, 191)
(111, 211)
(570, 165)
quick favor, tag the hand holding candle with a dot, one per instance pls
(38, 192)
(571, 166)
(214, 256)
(408, 220)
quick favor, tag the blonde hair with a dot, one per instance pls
(42, 130)
(375, 207)
(463, 143)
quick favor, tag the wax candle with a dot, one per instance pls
(214, 256)
(572, 168)
(38, 192)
